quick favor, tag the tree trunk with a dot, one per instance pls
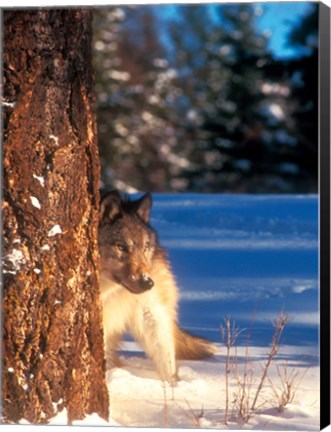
(53, 355)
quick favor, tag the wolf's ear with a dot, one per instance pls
(143, 207)
(110, 205)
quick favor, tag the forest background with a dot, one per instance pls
(208, 97)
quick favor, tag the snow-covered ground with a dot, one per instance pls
(248, 258)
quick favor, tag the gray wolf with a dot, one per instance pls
(138, 289)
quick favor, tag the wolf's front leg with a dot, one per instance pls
(153, 328)
(112, 343)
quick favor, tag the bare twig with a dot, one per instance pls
(191, 415)
(279, 326)
(165, 407)
(244, 384)
(229, 336)
(288, 384)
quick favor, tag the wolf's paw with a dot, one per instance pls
(172, 380)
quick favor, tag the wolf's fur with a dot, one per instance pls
(138, 290)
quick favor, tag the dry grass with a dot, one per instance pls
(247, 398)
(191, 415)
(165, 408)
(244, 382)
(279, 326)
(229, 334)
(245, 401)
(169, 412)
(284, 390)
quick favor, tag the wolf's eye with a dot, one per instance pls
(121, 247)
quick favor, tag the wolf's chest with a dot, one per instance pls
(121, 308)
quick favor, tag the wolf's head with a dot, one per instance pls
(126, 241)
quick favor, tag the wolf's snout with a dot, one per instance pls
(140, 283)
(146, 282)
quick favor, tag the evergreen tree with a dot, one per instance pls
(243, 105)
(205, 109)
(303, 72)
(136, 122)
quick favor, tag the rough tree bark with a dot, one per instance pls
(53, 355)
